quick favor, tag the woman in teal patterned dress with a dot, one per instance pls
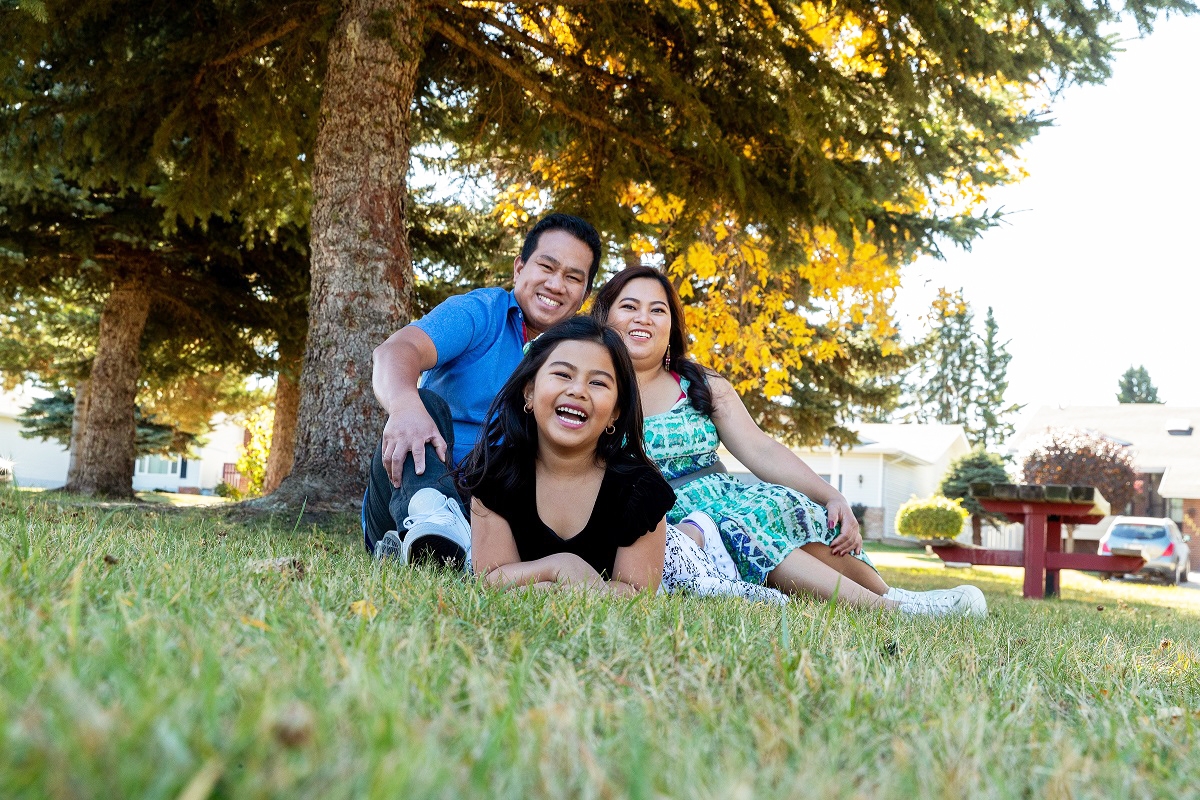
(783, 532)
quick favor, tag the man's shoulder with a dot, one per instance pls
(490, 304)
(489, 298)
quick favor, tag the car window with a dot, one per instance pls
(1141, 532)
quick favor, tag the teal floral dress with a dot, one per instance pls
(760, 524)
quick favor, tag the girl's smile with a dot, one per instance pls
(573, 397)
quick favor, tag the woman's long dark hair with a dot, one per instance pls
(698, 390)
(508, 446)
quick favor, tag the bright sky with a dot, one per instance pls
(1097, 268)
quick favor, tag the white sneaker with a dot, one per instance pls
(436, 527)
(966, 601)
(713, 546)
(389, 546)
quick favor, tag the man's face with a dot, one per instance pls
(551, 285)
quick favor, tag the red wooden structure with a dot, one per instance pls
(1042, 557)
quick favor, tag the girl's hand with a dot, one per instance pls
(849, 541)
(571, 570)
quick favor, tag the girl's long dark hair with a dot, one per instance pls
(507, 449)
(699, 392)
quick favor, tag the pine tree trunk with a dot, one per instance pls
(78, 426)
(104, 463)
(361, 262)
(283, 430)
(976, 530)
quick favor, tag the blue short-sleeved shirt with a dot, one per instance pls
(479, 337)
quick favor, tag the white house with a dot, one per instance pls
(44, 464)
(891, 463)
(35, 463)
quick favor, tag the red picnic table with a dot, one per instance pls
(1043, 510)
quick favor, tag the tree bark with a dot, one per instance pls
(78, 426)
(361, 262)
(283, 429)
(977, 530)
(104, 462)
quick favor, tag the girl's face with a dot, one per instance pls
(642, 316)
(574, 395)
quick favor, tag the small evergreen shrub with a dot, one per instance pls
(227, 490)
(934, 517)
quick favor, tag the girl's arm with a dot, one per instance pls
(494, 555)
(771, 462)
(639, 567)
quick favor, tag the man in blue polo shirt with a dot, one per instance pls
(465, 349)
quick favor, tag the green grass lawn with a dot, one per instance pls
(150, 652)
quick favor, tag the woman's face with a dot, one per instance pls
(574, 395)
(642, 315)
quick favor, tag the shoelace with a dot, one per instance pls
(441, 516)
(944, 602)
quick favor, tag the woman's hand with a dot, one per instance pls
(849, 541)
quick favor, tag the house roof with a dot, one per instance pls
(924, 443)
(1164, 438)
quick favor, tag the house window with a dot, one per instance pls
(157, 465)
(1175, 509)
(826, 477)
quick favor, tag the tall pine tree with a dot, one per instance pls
(1135, 387)
(961, 377)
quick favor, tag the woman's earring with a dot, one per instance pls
(528, 407)
(611, 429)
(667, 359)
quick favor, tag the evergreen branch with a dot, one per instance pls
(607, 79)
(529, 84)
(246, 49)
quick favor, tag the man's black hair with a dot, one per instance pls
(581, 229)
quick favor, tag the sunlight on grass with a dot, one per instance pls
(145, 651)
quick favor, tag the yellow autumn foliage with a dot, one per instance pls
(756, 322)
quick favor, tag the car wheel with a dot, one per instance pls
(1174, 579)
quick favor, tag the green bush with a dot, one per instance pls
(227, 490)
(934, 517)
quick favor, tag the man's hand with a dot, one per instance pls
(849, 541)
(406, 433)
(397, 366)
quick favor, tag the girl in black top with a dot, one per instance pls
(562, 491)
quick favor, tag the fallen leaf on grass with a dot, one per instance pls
(285, 565)
(294, 725)
(364, 608)
(1170, 713)
(255, 623)
(110, 559)
(1164, 644)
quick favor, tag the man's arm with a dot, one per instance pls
(398, 364)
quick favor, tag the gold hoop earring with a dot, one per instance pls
(667, 359)
(528, 407)
(611, 429)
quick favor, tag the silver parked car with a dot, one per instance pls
(1156, 539)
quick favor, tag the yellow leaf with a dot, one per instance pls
(255, 623)
(364, 608)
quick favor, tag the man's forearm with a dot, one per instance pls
(396, 368)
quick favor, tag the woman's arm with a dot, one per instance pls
(639, 567)
(771, 462)
(494, 555)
